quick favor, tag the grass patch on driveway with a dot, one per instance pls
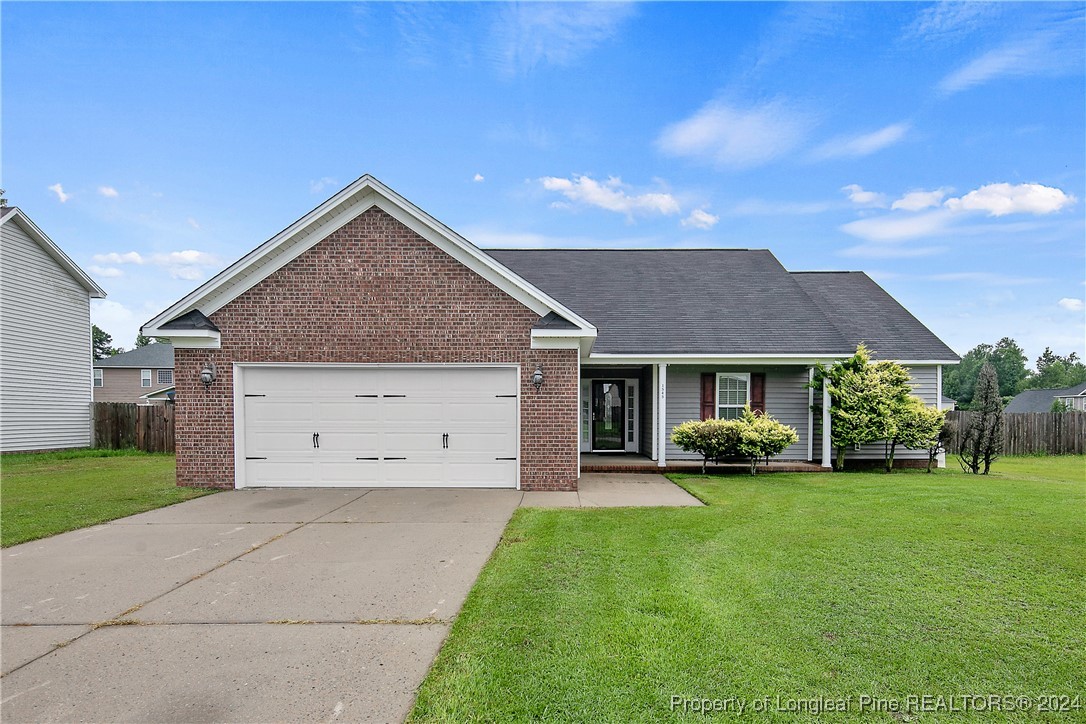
(42, 494)
(790, 585)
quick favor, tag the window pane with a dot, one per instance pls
(165, 377)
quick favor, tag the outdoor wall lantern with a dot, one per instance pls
(537, 377)
(207, 374)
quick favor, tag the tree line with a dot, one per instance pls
(1009, 361)
(102, 343)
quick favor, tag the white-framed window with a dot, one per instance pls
(145, 378)
(97, 376)
(732, 394)
(165, 377)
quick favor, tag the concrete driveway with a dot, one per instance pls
(250, 605)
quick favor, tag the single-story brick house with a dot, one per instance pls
(368, 344)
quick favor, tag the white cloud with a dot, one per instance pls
(108, 191)
(895, 227)
(1052, 51)
(59, 191)
(611, 195)
(919, 200)
(193, 223)
(129, 257)
(478, 178)
(994, 199)
(526, 35)
(862, 145)
(860, 197)
(1071, 304)
(734, 137)
(315, 187)
(188, 264)
(950, 20)
(700, 219)
(1003, 199)
(105, 271)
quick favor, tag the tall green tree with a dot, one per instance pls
(1053, 371)
(1006, 356)
(142, 340)
(865, 398)
(102, 343)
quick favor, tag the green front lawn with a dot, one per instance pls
(789, 585)
(44, 494)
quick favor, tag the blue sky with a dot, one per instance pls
(939, 147)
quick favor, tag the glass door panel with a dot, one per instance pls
(608, 417)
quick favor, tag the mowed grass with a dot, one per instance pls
(43, 494)
(793, 585)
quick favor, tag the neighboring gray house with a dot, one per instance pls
(1041, 400)
(45, 340)
(143, 375)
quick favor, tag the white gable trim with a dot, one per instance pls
(31, 229)
(333, 214)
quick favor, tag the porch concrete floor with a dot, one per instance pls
(614, 490)
(634, 463)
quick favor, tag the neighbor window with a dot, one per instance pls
(732, 394)
(145, 378)
(98, 378)
(165, 377)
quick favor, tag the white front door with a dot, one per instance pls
(408, 426)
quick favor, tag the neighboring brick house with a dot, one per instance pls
(369, 345)
(143, 375)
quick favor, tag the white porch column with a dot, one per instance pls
(827, 433)
(810, 414)
(655, 411)
(661, 415)
(940, 459)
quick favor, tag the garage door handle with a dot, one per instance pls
(505, 458)
(317, 440)
(445, 441)
(395, 458)
(367, 458)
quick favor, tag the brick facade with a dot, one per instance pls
(374, 291)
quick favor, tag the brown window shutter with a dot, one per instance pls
(757, 392)
(708, 395)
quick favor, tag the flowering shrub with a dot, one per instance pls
(755, 436)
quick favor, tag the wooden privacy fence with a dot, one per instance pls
(126, 424)
(1029, 433)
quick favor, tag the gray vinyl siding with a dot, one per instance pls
(785, 400)
(45, 349)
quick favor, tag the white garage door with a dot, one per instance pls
(379, 426)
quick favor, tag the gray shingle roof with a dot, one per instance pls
(681, 301)
(152, 356)
(864, 312)
(191, 320)
(1041, 400)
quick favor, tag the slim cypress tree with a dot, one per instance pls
(983, 439)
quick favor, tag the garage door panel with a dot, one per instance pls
(278, 442)
(365, 426)
(475, 474)
(414, 472)
(356, 410)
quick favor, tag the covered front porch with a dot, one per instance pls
(637, 463)
(627, 411)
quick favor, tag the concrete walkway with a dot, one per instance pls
(615, 490)
(250, 605)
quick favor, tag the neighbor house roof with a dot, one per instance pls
(152, 356)
(14, 215)
(864, 312)
(1041, 400)
(721, 302)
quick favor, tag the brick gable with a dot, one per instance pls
(375, 291)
